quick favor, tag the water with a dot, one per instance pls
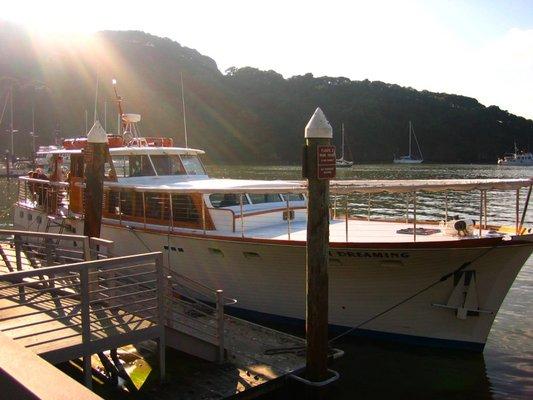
(382, 370)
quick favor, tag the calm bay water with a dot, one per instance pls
(385, 370)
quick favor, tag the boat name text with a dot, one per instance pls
(368, 254)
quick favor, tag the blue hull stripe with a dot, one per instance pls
(260, 317)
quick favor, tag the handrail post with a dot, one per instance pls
(288, 218)
(161, 288)
(346, 216)
(48, 248)
(414, 216)
(242, 216)
(446, 206)
(368, 208)
(18, 257)
(86, 326)
(144, 209)
(485, 207)
(517, 210)
(480, 212)
(220, 325)
(203, 213)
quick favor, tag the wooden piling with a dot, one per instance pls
(94, 158)
(318, 168)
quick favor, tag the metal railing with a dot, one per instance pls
(24, 249)
(197, 308)
(74, 310)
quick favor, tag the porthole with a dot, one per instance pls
(39, 219)
(21, 214)
(251, 254)
(216, 252)
(30, 217)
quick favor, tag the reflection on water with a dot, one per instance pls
(380, 370)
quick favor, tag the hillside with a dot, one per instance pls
(243, 116)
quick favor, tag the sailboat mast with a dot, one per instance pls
(410, 130)
(183, 106)
(342, 142)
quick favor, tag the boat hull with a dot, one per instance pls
(267, 277)
(403, 161)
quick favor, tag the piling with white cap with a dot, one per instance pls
(318, 168)
(95, 155)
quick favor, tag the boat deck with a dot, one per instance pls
(363, 231)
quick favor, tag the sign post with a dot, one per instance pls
(318, 168)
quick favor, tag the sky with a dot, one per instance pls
(478, 48)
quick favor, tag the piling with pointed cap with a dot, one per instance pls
(318, 168)
(95, 155)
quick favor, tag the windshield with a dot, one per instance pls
(192, 165)
(142, 165)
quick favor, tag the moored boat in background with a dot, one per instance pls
(517, 158)
(410, 159)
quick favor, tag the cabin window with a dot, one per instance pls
(192, 165)
(140, 166)
(168, 165)
(184, 209)
(265, 198)
(226, 200)
(121, 164)
(156, 205)
(112, 201)
(126, 203)
(293, 197)
(76, 165)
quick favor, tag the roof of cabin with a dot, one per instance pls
(202, 184)
(133, 150)
(130, 151)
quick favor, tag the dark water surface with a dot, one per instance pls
(372, 369)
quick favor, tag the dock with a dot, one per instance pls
(66, 297)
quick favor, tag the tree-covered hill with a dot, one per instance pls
(243, 116)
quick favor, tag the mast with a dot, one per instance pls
(11, 124)
(120, 122)
(342, 143)
(418, 145)
(410, 129)
(183, 107)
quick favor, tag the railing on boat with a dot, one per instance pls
(162, 208)
(50, 196)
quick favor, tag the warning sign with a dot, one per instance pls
(326, 162)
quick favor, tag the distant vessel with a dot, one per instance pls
(341, 162)
(516, 158)
(409, 159)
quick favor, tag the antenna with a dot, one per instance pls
(183, 106)
(96, 100)
(120, 122)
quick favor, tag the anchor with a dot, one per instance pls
(464, 298)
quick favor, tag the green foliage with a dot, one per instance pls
(243, 116)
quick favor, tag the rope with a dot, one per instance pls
(301, 349)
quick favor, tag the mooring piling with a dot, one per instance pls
(318, 168)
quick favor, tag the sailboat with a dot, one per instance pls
(409, 159)
(341, 162)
